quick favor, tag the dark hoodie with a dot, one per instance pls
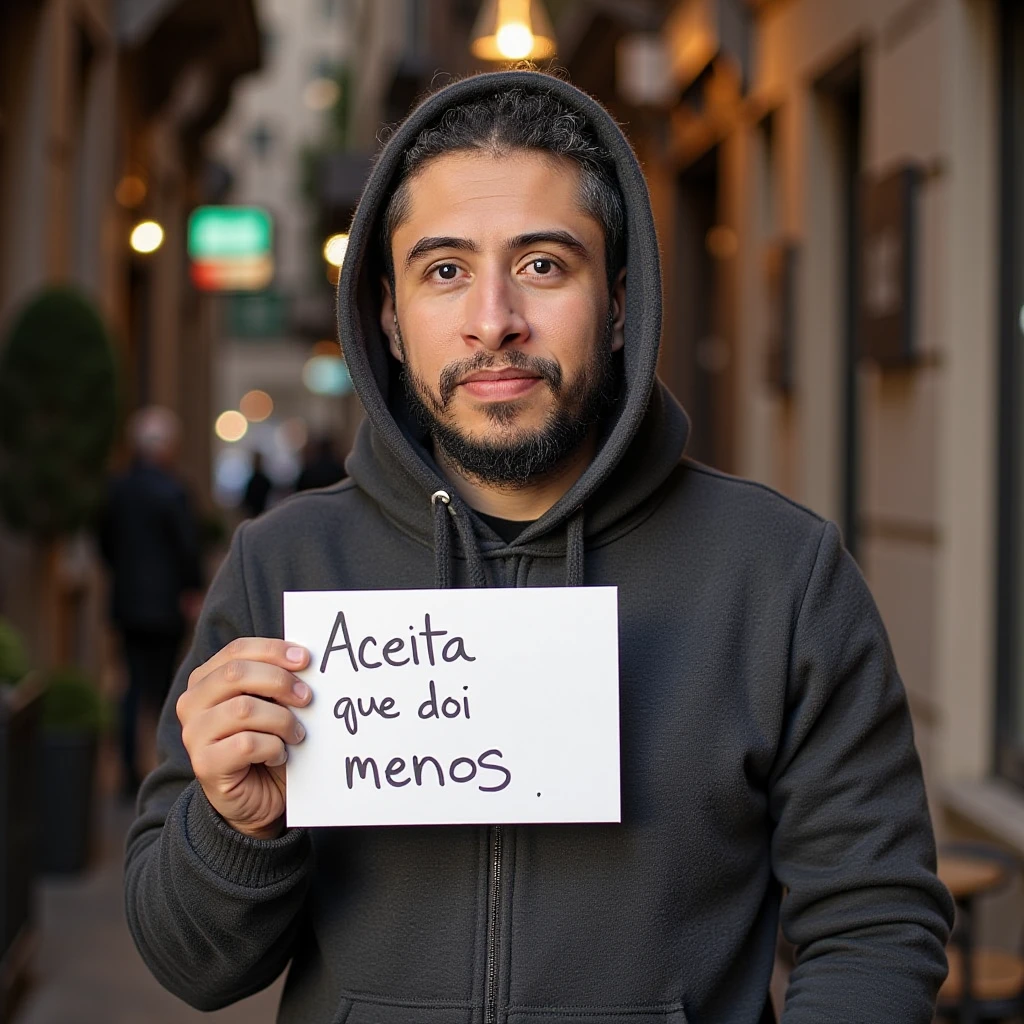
(766, 743)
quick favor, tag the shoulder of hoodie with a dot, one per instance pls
(743, 514)
(293, 516)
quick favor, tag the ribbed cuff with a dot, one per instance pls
(237, 858)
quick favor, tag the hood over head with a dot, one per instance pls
(641, 442)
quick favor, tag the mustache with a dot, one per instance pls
(547, 369)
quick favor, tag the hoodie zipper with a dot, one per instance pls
(494, 893)
(493, 931)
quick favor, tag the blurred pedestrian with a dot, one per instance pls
(321, 467)
(149, 535)
(258, 489)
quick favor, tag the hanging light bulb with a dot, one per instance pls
(515, 40)
(513, 30)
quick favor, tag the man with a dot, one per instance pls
(516, 437)
(150, 539)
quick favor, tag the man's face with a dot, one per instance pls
(505, 323)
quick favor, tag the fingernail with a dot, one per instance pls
(300, 732)
(301, 690)
(295, 654)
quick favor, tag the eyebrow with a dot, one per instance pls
(562, 238)
(431, 244)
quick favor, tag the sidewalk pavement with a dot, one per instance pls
(85, 968)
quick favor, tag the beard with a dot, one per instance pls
(518, 456)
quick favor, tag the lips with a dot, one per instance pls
(500, 384)
(508, 373)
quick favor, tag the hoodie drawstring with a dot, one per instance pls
(441, 502)
(445, 511)
(574, 550)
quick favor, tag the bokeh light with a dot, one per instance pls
(130, 191)
(515, 40)
(231, 425)
(256, 406)
(335, 248)
(326, 375)
(147, 236)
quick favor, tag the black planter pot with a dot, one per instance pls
(67, 798)
(20, 713)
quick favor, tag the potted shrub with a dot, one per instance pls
(73, 718)
(20, 706)
(58, 414)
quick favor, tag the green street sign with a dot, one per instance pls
(228, 232)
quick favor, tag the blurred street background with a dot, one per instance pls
(838, 187)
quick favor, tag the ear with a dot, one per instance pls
(618, 311)
(387, 321)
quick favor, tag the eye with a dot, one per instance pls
(542, 266)
(446, 271)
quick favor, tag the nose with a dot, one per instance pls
(492, 314)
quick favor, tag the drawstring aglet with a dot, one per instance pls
(440, 500)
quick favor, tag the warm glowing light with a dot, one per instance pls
(130, 191)
(146, 236)
(512, 30)
(326, 347)
(515, 40)
(256, 406)
(335, 248)
(231, 426)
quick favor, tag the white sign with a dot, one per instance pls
(439, 707)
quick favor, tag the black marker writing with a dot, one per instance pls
(450, 707)
(460, 771)
(368, 652)
(349, 710)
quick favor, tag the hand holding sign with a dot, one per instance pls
(236, 740)
(456, 706)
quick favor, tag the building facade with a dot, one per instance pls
(837, 192)
(842, 101)
(103, 110)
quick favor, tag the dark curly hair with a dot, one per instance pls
(500, 123)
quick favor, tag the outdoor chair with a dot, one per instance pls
(984, 985)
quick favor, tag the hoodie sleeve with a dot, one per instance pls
(213, 912)
(853, 843)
